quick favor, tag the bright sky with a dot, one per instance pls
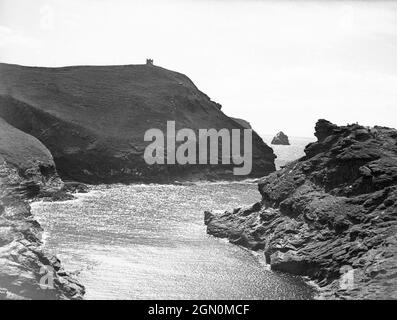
(280, 65)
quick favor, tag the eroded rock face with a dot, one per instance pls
(281, 139)
(93, 120)
(32, 160)
(27, 170)
(330, 215)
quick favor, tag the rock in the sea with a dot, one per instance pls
(281, 139)
(26, 270)
(331, 215)
(93, 119)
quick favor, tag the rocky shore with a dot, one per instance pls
(27, 171)
(330, 216)
(87, 124)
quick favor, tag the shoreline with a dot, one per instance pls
(319, 293)
(256, 258)
(261, 258)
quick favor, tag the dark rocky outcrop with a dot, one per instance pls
(280, 139)
(330, 215)
(31, 159)
(93, 119)
(27, 170)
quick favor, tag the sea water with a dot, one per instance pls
(149, 241)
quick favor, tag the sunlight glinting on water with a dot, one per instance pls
(149, 241)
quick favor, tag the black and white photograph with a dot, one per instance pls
(198, 157)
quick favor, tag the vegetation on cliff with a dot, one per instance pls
(27, 170)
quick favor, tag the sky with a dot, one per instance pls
(280, 65)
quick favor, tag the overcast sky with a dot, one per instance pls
(280, 65)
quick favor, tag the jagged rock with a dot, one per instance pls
(27, 170)
(324, 129)
(93, 120)
(281, 139)
(333, 210)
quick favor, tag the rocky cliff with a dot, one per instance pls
(330, 215)
(93, 119)
(27, 170)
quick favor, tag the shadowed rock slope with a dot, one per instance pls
(330, 216)
(245, 124)
(93, 119)
(27, 170)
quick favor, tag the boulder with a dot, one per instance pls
(244, 123)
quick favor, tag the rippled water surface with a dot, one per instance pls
(149, 242)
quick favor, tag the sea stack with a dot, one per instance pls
(330, 215)
(281, 139)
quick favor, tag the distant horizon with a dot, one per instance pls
(260, 133)
(279, 65)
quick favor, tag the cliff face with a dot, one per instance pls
(330, 215)
(26, 170)
(93, 119)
